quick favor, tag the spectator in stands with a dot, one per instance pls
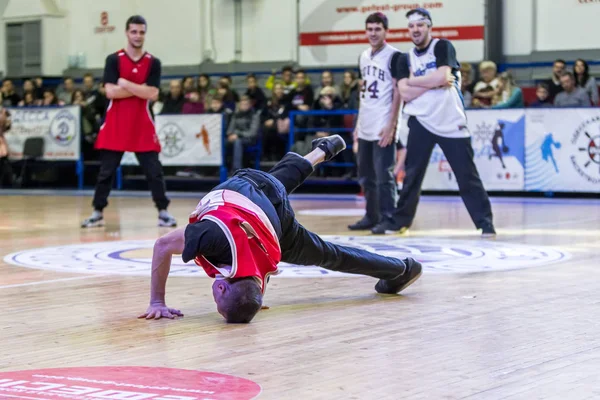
(193, 104)
(65, 94)
(50, 98)
(188, 84)
(301, 99)
(257, 96)
(466, 83)
(571, 96)
(29, 100)
(6, 174)
(38, 82)
(226, 95)
(206, 90)
(9, 97)
(242, 131)
(349, 91)
(328, 100)
(276, 124)
(326, 81)
(508, 94)
(89, 124)
(581, 71)
(28, 87)
(554, 83)
(217, 107)
(174, 100)
(287, 81)
(485, 89)
(542, 94)
(93, 97)
(226, 80)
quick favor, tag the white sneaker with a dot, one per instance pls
(165, 219)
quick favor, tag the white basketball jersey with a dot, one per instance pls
(439, 110)
(377, 89)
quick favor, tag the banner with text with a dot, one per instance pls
(59, 126)
(563, 150)
(498, 138)
(193, 139)
(333, 32)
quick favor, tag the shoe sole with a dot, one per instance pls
(411, 281)
(166, 225)
(94, 225)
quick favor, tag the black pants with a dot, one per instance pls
(110, 161)
(376, 176)
(299, 246)
(459, 154)
(6, 173)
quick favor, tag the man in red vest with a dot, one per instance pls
(244, 227)
(132, 80)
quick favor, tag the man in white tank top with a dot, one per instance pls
(429, 83)
(375, 133)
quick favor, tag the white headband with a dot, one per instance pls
(417, 17)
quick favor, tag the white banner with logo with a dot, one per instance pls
(59, 126)
(192, 139)
(563, 150)
(498, 138)
(333, 32)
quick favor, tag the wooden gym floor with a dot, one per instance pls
(514, 318)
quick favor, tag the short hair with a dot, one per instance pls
(88, 74)
(135, 19)
(543, 85)
(568, 73)
(217, 97)
(287, 68)
(300, 71)
(245, 98)
(377, 18)
(487, 64)
(560, 60)
(243, 301)
(250, 75)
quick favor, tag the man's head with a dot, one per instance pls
(286, 74)
(238, 300)
(216, 103)
(175, 88)
(251, 81)
(419, 26)
(376, 26)
(88, 81)
(135, 29)
(542, 91)
(69, 84)
(245, 103)
(300, 79)
(558, 67)
(567, 81)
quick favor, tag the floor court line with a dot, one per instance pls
(75, 278)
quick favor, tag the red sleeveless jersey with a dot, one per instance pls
(128, 125)
(255, 247)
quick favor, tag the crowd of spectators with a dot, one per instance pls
(253, 110)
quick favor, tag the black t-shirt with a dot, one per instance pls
(111, 70)
(206, 238)
(445, 55)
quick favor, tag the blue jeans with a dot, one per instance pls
(299, 246)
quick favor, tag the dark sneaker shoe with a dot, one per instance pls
(93, 222)
(331, 145)
(488, 232)
(396, 285)
(387, 227)
(362, 225)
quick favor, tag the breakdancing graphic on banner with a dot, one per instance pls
(563, 150)
(498, 138)
(187, 140)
